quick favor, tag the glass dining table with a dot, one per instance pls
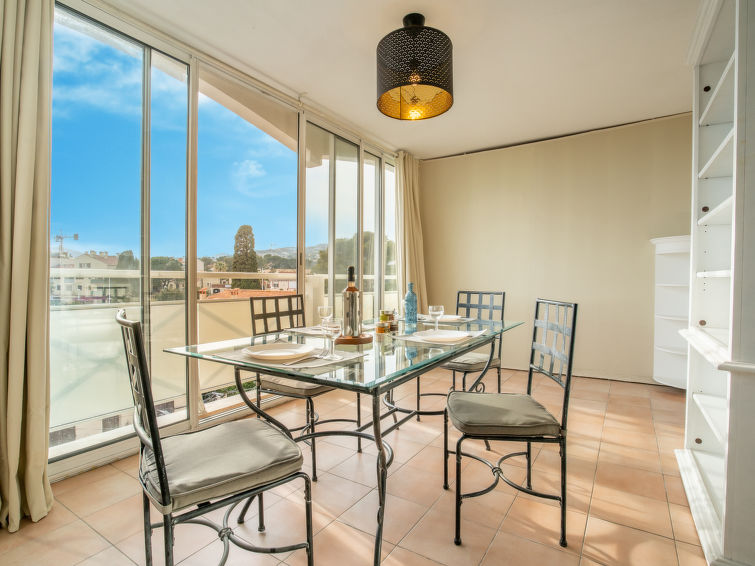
(374, 369)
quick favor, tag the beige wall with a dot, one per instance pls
(567, 219)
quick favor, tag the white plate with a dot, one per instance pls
(279, 352)
(442, 336)
(450, 318)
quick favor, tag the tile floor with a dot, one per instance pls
(626, 501)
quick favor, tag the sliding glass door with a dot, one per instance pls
(175, 196)
(117, 228)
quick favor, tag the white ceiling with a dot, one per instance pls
(523, 70)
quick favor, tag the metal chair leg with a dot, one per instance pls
(562, 445)
(244, 509)
(311, 425)
(453, 383)
(259, 394)
(457, 535)
(308, 514)
(418, 396)
(445, 449)
(261, 513)
(498, 369)
(529, 465)
(168, 536)
(147, 531)
(359, 421)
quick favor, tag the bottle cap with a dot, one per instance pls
(351, 273)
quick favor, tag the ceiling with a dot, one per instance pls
(523, 70)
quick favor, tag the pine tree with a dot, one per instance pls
(244, 258)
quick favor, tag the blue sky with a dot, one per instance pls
(244, 176)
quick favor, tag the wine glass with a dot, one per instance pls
(332, 328)
(435, 312)
(325, 312)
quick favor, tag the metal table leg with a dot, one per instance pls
(382, 476)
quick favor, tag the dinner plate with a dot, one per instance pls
(278, 351)
(449, 318)
(442, 336)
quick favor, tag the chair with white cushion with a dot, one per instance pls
(518, 417)
(189, 475)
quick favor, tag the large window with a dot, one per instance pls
(118, 205)
(246, 215)
(159, 163)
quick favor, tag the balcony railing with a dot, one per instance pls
(90, 396)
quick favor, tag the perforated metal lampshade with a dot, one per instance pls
(414, 71)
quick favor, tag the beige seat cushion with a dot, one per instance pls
(220, 461)
(500, 414)
(284, 385)
(473, 361)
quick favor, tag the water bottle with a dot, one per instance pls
(410, 306)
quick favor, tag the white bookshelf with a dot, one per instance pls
(671, 310)
(717, 463)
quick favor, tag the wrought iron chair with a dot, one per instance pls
(482, 305)
(275, 314)
(519, 417)
(188, 475)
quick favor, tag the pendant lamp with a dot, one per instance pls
(414, 71)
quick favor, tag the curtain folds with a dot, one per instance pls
(410, 258)
(25, 114)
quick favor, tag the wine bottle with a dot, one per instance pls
(352, 315)
(410, 306)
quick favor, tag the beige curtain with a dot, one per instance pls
(410, 257)
(25, 108)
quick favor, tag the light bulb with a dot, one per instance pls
(415, 114)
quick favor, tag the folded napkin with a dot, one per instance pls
(307, 331)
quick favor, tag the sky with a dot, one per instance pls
(244, 175)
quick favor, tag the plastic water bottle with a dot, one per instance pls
(410, 306)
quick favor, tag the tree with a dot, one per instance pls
(244, 258)
(208, 262)
(126, 260)
(164, 263)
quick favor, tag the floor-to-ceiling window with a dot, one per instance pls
(246, 215)
(162, 162)
(117, 227)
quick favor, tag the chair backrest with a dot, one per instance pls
(274, 314)
(145, 420)
(482, 305)
(553, 346)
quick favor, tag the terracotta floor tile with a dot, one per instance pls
(87, 499)
(577, 496)
(111, 556)
(332, 495)
(669, 465)
(328, 455)
(285, 524)
(120, 520)
(627, 456)
(433, 538)
(129, 465)
(675, 490)
(68, 545)
(690, 555)
(611, 478)
(417, 485)
(487, 510)
(643, 441)
(634, 511)
(83, 479)
(400, 516)
(340, 544)
(402, 557)
(617, 545)
(578, 471)
(58, 516)
(510, 549)
(188, 540)
(631, 389)
(237, 556)
(684, 525)
(539, 522)
(629, 424)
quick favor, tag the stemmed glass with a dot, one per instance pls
(325, 312)
(436, 311)
(332, 327)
